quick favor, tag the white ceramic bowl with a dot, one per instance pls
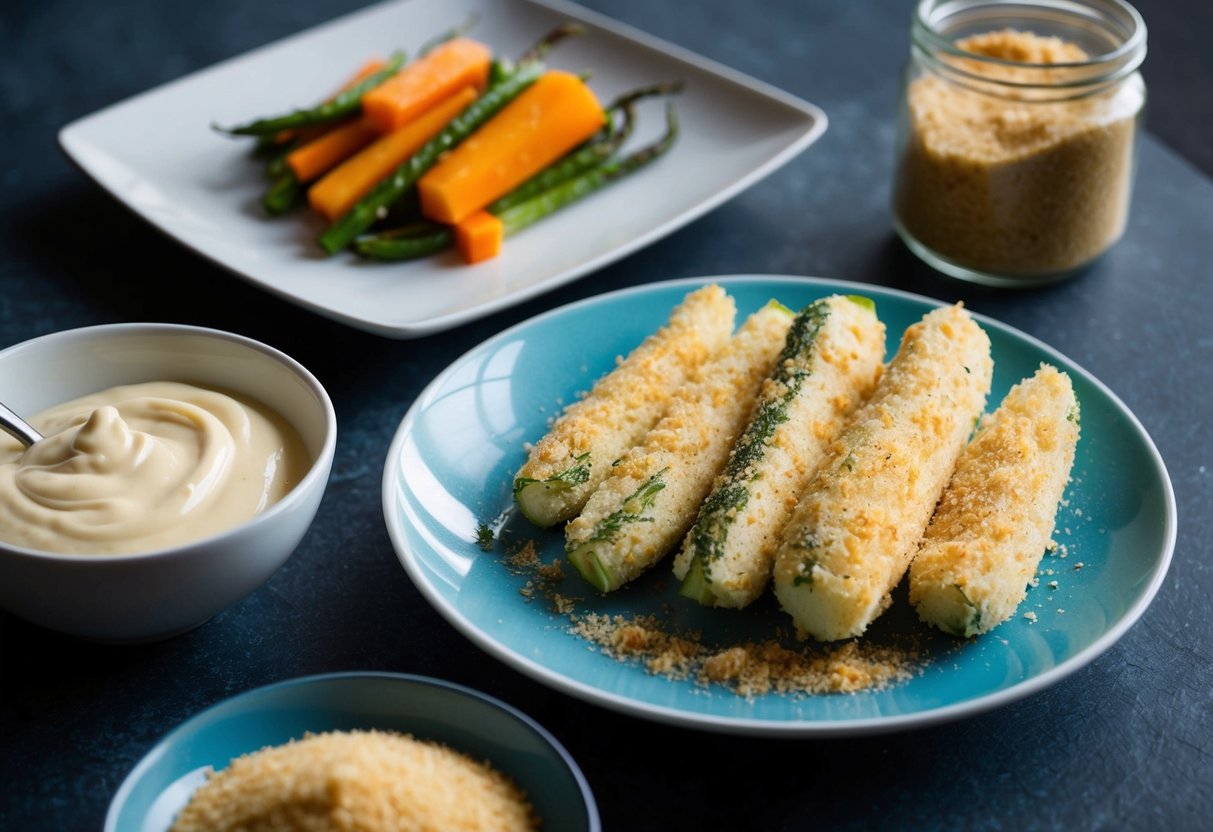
(158, 594)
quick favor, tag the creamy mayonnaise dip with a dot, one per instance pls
(144, 466)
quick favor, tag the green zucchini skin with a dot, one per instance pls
(727, 555)
(581, 446)
(641, 511)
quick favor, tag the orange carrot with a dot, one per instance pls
(372, 66)
(330, 149)
(549, 118)
(434, 76)
(341, 188)
(478, 236)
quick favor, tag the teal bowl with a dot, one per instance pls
(466, 720)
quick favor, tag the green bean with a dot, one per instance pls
(503, 67)
(269, 145)
(283, 194)
(450, 34)
(276, 165)
(660, 88)
(499, 70)
(540, 49)
(404, 211)
(409, 242)
(345, 103)
(375, 204)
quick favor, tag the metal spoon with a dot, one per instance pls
(16, 426)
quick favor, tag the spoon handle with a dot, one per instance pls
(18, 427)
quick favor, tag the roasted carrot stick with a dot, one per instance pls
(478, 236)
(341, 188)
(553, 115)
(432, 77)
(326, 152)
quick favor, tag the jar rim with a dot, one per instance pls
(1123, 60)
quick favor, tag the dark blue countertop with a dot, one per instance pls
(1124, 743)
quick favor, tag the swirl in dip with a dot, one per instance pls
(144, 466)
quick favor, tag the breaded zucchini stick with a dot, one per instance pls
(569, 462)
(831, 361)
(996, 516)
(649, 500)
(852, 536)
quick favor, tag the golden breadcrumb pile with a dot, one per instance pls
(357, 781)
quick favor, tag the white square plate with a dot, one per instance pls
(157, 153)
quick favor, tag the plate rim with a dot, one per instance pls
(167, 739)
(81, 152)
(766, 727)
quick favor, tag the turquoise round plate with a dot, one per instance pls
(464, 719)
(453, 458)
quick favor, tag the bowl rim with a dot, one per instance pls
(317, 470)
(213, 711)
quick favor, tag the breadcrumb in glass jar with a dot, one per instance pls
(1018, 134)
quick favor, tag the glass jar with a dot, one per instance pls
(1017, 135)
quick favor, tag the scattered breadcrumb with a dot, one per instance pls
(526, 557)
(749, 669)
(562, 603)
(553, 571)
(540, 576)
